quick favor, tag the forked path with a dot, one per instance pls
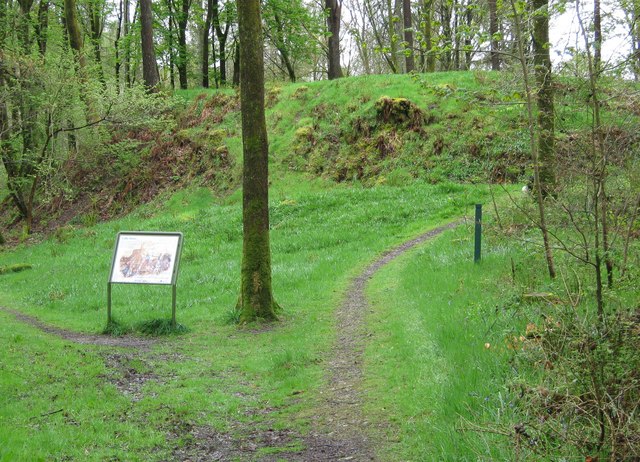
(339, 428)
(341, 431)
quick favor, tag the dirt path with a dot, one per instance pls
(341, 431)
(78, 337)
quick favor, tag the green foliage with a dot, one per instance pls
(161, 327)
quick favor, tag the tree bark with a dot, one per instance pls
(446, 13)
(533, 141)
(42, 26)
(97, 23)
(408, 36)
(149, 65)
(73, 29)
(468, 53)
(127, 44)
(183, 57)
(256, 297)
(116, 46)
(428, 16)
(172, 60)
(222, 35)
(7, 152)
(206, 29)
(236, 66)
(597, 35)
(393, 37)
(493, 31)
(334, 12)
(545, 95)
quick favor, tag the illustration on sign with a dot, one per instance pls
(145, 258)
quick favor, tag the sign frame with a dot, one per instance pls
(149, 267)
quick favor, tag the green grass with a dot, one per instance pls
(215, 374)
(437, 356)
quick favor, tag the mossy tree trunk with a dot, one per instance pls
(546, 112)
(256, 297)
(427, 31)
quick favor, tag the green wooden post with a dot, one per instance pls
(478, 240)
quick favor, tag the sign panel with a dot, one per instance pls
(146, 258)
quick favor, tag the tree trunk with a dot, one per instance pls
(597, 35)
(96, 23)
(533, 142)
(42, 26)
(23, 25)
(393, 37)
(236, 66)
(493, 32)
(428, 17)
(183, 57)
(334, 10)
(546, 114)
(127, 43)
(635, 34)
(468, 53)
(222, 35)
(408, 36)
(446, 14)
(116, 47)
(7, 153)
(172, 60)
(206, 29)
(256, 297)
(149, 66)
(214, 59)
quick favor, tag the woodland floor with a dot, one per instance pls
(340, 430)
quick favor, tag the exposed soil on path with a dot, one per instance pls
(340, 430)
(78, 337)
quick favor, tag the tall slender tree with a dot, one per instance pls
(206, 29)
(256, 296)
(597, 35)
(334, 12)
(150, 73)
(546, 113)
(222, 33)
(410, 65)
(427, 7)
(42, 26)
(96, 23)
(493, 33)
